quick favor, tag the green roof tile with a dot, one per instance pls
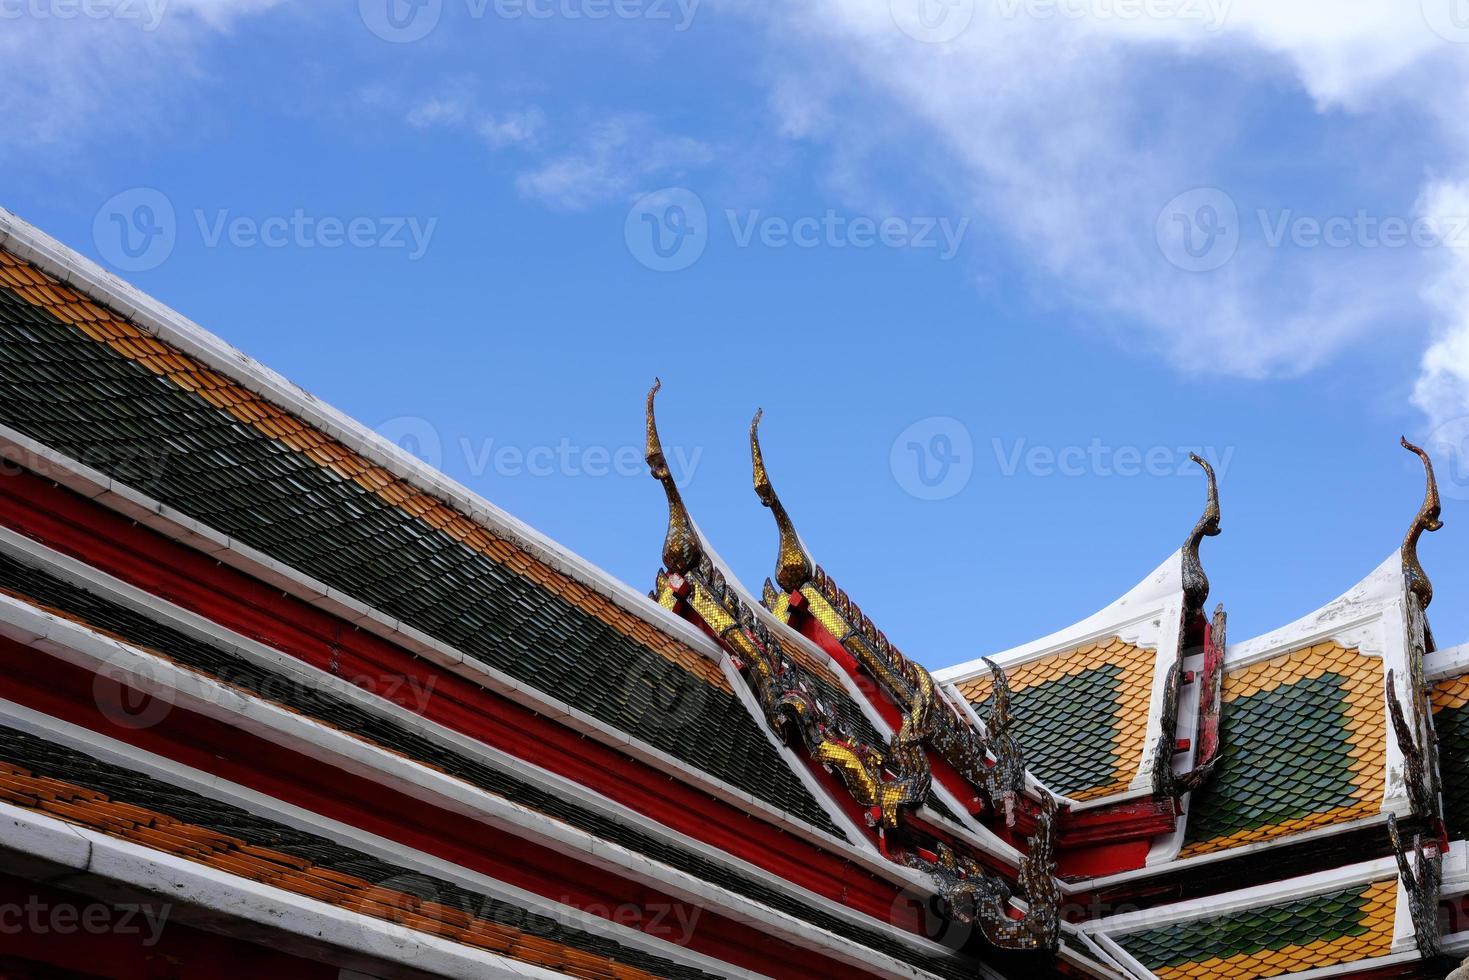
(1320, 917)
(1285, 755)
(1068, 728)
(87, 401)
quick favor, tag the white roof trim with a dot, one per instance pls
(1450, 662)
(1127, 616)
(194, 692)
(80, 851)
(972, 830)
(180, 527)
(1147, 616)
(1243, 900)
(97, 582)
(177, 774)
(171, 327)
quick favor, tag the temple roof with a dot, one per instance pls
(1134, 756)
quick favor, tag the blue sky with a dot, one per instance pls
(991, 268)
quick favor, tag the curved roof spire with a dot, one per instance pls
(793, 567)
(1426, 520)
(681, 546)
(1195, 582)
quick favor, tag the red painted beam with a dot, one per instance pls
(46, 932)
(73, 694)
(146, 559)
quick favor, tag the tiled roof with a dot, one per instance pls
(99, 390)
(1323, 930)
(1303, 736)
(1451, 719)
(80, 789)
(61, 598)
(1081, 716)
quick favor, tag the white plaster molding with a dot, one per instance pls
(1134, 617)
(1450, 662)
(1243, 900)
(171, 327)
(180, 527)
(194, 692)
(85, 576)
(395, 852)
(243, 903)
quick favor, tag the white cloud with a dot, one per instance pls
(510, 128)
(1442, 391)
(1068, 124)
(613, 159)
(72, 67)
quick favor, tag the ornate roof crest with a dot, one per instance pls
(1426, 520)
(1195, 582)
(681, 548)
(793, 567)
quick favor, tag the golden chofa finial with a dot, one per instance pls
(1427, 520)
(681, 547)
(1195, 582)
(793, 568)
